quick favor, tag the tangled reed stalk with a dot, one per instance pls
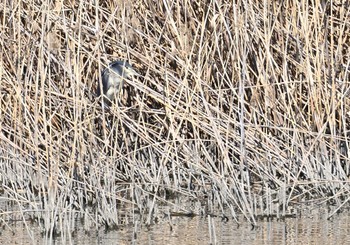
(242, 108)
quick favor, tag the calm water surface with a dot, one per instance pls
(313, 228)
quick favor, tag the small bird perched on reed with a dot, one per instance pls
(112, 80)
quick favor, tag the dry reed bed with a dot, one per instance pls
(242, 106)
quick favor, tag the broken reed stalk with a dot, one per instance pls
(241, 104)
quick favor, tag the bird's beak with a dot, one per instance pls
(133, 73)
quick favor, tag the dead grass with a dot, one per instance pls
(242, 107)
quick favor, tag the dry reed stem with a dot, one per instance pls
(242, 104)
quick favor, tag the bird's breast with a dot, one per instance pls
(111, 92)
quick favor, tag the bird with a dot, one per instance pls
(112, 79)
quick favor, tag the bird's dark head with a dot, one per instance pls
(112, 78)
(123, 68)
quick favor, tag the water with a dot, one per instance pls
(312, 228)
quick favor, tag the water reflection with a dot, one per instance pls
(313, 228)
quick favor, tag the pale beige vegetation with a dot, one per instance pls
(242, 108)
